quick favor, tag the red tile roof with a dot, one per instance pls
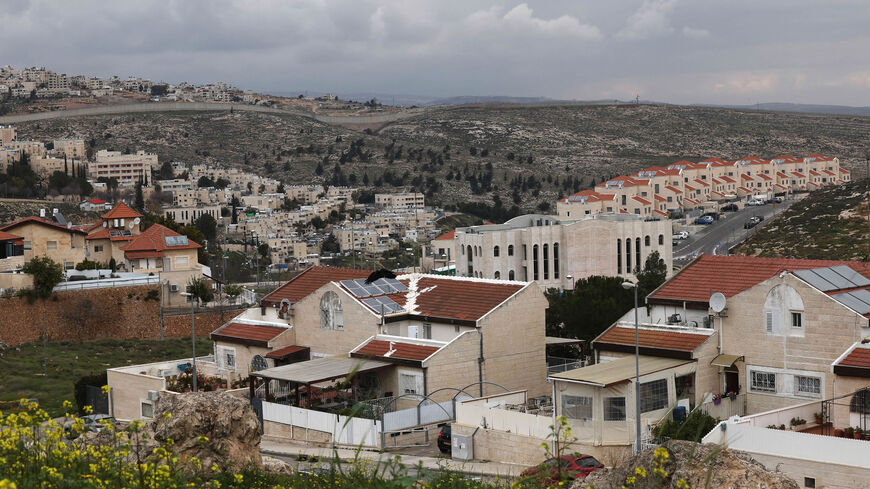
(310, 280)
(96, 201)
(843, 170)
(668, 340)
(402, 351)
(689, 187)
(764, 177)
(248, 333)
(40, 221)
(674, 190)
(154, 239)
(860, 357)
(287, 350)
(4, 236)
(450, 235)
(731, 275)
(799, 175)
(642, 201)
(746, 177)
(727, 179)
(698, 180)
(456, 297)
(661, 212)
(121, 211)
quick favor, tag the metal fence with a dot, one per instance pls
(101, 284)
(557, 365)
(96, 398)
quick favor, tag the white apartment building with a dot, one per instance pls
(186, 215)
(553, 251)
(70, 147)
(127, 168)
(401, 200)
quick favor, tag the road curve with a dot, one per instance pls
(200, 107)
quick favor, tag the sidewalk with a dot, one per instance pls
(271, 446)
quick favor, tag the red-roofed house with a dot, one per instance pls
(164, 252)
(95, 205)
(440, 253)
(118, 227)
(44, 237)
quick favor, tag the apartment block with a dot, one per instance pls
(127, 168)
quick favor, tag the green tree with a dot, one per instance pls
(263, 250)
(232, 291)
(207, 225)
(595, 303)
(46, 272)
(166, 172)
(139, 203)
(221, 183)
(204, 181)
(200, 290)
(654, 273)
(330, 245)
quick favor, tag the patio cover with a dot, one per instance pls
(619, 370)
(319, 369)
(724, 360)
(555, 341)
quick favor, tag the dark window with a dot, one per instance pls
(497, 275)
(525, 254)
(653, 395)
(555, 260)
(546, 262)
(495, 251)
(470, 262)
(627, 255)
(637, 253)
(646, 240)
(810, 482)
(618, 256)
(511, 275)
(535, 262)
(614, 409)
(661, 239)
(510, 250)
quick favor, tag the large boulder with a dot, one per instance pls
(216, 427)
(693, 463)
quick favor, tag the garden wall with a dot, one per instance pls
(117, 312)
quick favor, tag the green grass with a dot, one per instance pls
(21, 370)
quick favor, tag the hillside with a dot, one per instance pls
(828, 224)
(527, 155)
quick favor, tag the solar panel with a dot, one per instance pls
(849, 274)
(858, 300)
(835, 278)
(839, 277)
(382, 304)
(170, 240)
(391, 285)
(816, 280)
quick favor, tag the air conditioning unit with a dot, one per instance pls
(173, 287)
(153, 395)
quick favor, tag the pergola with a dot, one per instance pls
(305, 374)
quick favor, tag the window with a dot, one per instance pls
(470, 263)
(614, 409)
(147, 409)
(225, 357)
(51, 245)
(618, 256)
(180, 261)
(28, 245)
(763, 381)
(577, 407)
(546, 262)
(410, 382)
(627, 255)
(770, 320)
(525, 255)
(555, 260)
(497, 275)
(807, 385)
(535, 262)
(98, 248)
(646, 240)
(495, 251)
(653, 395)
(661, 239)
(427, 331)
(797, 319)
(810, 482)
(331, 316)
(637, 252)
(511, 275)
(510, 250)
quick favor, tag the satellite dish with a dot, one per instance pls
(717, 302)
(137, 221)
(105, 224)
(132, 225)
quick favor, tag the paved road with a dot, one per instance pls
(204, 106)
(728, 231)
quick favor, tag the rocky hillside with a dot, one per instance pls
(828, 224)
(527, 155)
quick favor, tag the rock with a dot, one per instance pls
(227, 422)
(691, 462)
(275, 466)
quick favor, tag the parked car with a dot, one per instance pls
(569, 466)
(730, 208)
(755, 202)
(704, 220)
(98, 422)
(751, 222)
(681, 235)
(714, 215)
(777, 200)
(444, 443)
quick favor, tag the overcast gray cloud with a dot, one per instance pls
(681, 51)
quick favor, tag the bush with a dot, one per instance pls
(693, 428)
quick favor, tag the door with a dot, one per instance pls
(732, 380)
(413, 331)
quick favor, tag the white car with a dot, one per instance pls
(755, 202)
(681, 235)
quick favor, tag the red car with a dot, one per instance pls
(570, 466)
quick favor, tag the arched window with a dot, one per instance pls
(555, 260)
(497, 275)
(646, 240)
(495, 251)
(331, 316)
(511, 275)
(546, 262)
(510, 250)
(627, 255)
(784, 311)
(470, 263)
(618, 256)
(475, 250)
(535, 262)
(661, 239)
(637, 253)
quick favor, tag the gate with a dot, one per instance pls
(257, 405)
(96, 398)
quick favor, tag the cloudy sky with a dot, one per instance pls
(680, 51)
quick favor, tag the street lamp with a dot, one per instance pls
(571, 278)
(192, 300)
(631, 285)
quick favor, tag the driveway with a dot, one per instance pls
(717, 238)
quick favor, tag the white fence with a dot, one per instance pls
(726, 407)
(101, 284)
(783, 416)
(344, 430)
(421, 415)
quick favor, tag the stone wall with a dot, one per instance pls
(116, 312)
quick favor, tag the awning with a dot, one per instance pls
(554, 341)
(287, 351)
(619, 370)
(320, 369)
(726, 360)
